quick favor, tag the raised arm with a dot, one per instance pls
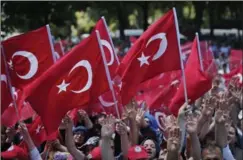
(106, 134)
(130, 113)
(191, 127)
(206, 116)
(220, 119)
(122, 131)
(33, 152)
(84, 116)
(173, 143)
(78, 155)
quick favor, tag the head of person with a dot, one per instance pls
(62, 156)
(91, 143)
(212, 152)
(100, 118)
(152, 131)
(79, 135)
(137, 153)
(231, 135)
(152, 148)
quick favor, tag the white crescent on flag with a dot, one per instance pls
(33, 63)
(108, 46)
(105, 103)
(87, 66)
(157, 116)
(162, 46)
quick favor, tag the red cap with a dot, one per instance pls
(95, 154)
(15, 152)
(137, 152)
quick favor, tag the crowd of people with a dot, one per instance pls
(208, 129)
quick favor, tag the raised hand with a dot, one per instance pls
(210, 103)
(140, 116)
(235, 90)
(68, 122)
(173, 142)
(121, 128)
(220, 117)
(82, 114)
(108, 127)
(191, 124)
(130, 110)
(23, 130)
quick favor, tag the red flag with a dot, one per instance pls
(160, 81)
(235, 59)
(237, 72)
(28, 56)
(74, 80)
(9, 117)
(186, 48)
(161, 113)
(38, 133)
(164, 97)
(58, 50)
(197, 82)
(20, 152)
(107, 47)
(6, 97)
(155, 52)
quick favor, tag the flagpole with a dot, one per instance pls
(107, 30)
(10, 84)
(51, 42)
(107, 73)
(179, 46)
(199, 52)
(61, 46)
(181, 122)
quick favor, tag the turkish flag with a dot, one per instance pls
(159, 81)
(237, 72)
(197, 82)
(186, 48)
(161, 113)
(9, 117)
(75, 80)
(6, 97)
(38, 133)
(20, 152)
(235, 59)
(58, 50)
(164, 97)
(28, 56)
(107, 104)
(156, 51)
(107, 46)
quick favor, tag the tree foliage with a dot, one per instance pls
(79, 17)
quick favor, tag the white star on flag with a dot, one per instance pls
(120, 85)
(38, 129)
(143, 60)
(63, 86)
(10, 63)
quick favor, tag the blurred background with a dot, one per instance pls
(221, 22)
